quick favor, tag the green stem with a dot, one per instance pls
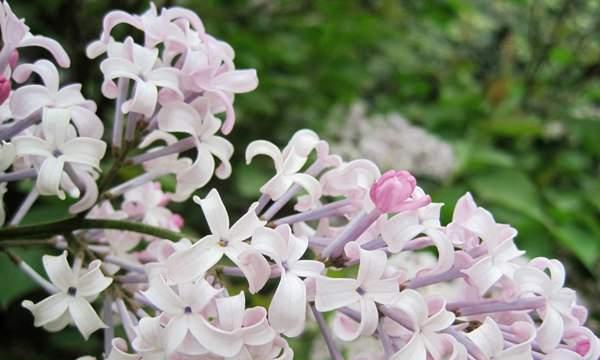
(69, 225)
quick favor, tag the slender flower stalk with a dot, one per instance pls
(107, 318)
(329, 210)
(117, 135)
(20, 125)
(24, 207)
(334, 352)
(18, 175)
(175, 148)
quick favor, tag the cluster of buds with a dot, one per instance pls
(325, 232)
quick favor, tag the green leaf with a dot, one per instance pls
(580, 242)
(14, 283)
(511, 189)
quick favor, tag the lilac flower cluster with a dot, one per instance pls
(334, 253)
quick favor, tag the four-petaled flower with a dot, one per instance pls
(287, 312)
(75, 289)
(368, 289)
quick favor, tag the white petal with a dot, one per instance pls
(332, 293)
(93, 281)
(59, 272)
(220, 342)
(214, 212)
(49, 309)
(372, 266)
(85, 317)
(488, 338)
(262, 147)
(44, 68)
(551, 331)
(27, 99)
(85, 151)
(231, 311)
(49, 177)
(192, 263)
(53, 46)
(270, 243)
(144, 99)
(245, 226)
(31, 145)
(287, 311)
(163, 297)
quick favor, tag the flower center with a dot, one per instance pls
(187, 310)
(223, 243)
(72, 291)
(360, 291)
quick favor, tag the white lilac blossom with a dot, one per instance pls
(392, 141)
(75, 288)
(55, 150)
(326, 234)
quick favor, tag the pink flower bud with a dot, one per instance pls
(5, 88)
(582, 347)
(13, 59)
(176, 221)
(392, 192)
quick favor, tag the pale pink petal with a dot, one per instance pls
(399, 229)
(195, 176)
(119, 351)
(85, 317)
(307, 268)
(413, 305)
(334, 293)
(144, 99)
(27, 99)
(488, 338)
(277, 186)
(445, 251)
(348, 330)
(215, 340)
(483, 274)
(176, 330)
(270, 243)
(163, 297)
(214, 212)
(309, 184)
(465, 207)
(246, 225)
(190, 264)
(179, 117)
(222, 150)
(413, 350)
(262, 147)
(57, 51)
(255, 267)
(551, 331)
(231, 311)
(372, 266)
(237, 81)
(287, 311)
(88, 124)
(384, 291)
(44, 68)
(256, 328)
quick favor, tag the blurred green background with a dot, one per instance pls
(512, 85)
